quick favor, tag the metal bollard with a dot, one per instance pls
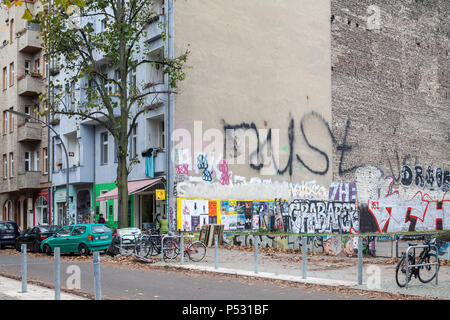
(24, 268)
(360, 261)
(162, 249)
(57, 273)
(255, 243)
(216, 249)
(182, 249)
(304, 256)
(97, 277)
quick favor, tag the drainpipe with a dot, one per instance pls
(170, 112)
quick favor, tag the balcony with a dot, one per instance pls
(29, 85)
(29, 132)
(77, 174)
(29, 180)
(155, 28)
(29, 41)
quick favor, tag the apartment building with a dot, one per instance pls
(25, 185)
(91, 149)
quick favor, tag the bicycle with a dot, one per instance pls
(425, 267)
(195, 250)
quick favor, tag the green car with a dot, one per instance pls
(82, 238)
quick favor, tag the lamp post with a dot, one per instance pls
(27, 116)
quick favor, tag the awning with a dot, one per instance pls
(133, 187)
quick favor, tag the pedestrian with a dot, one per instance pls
(101, 220)
(164, 225)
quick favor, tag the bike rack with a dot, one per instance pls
(423, 264)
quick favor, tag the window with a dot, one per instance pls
(162, 138)
(11, 121)
(11, 31)
(27, 66)
(11, 74)
(27, 161)
(104, 148)
(100, 228)
(37, 65)
(65, 231)
(5, 122)
(45, 160)
(5, 78)
(78, 230)
(134, 141)
(11, 165)
(103, 25)
(133, 81)
(36, 161)
(104, 206)
(72, 96)
(5, 167)
(117, 78)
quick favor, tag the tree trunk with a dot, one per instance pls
(122, 187)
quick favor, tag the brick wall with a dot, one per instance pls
(391, 80)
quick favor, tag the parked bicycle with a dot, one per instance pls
(195, 250)
(423, 268)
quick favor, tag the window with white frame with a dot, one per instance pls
(104, 148)
(36, 161)
(27, 161)
(5, 166)
(134, 142)
(45, 160)
(11, 165)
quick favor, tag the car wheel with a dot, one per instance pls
(48, 250)
(36, 248)
(83, 249)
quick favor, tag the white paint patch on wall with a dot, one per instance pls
(255, 189)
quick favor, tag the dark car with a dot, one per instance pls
(33, 237)
(9, 231)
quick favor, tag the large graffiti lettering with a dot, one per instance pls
(258, 160)
(308, 216)
(429, 177)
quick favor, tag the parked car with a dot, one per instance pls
(33, 237)
(9, 231)
(128, 235)
(82, 238)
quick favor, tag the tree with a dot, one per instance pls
(102, 61)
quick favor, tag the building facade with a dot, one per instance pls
(25, 194)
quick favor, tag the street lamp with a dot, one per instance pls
(27, 116)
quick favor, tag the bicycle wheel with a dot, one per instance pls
(428, 273)
(400, 272)
(155, 246)
(196, 251)
(171, 249)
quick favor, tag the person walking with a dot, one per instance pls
(101, 220)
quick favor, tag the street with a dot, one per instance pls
(128, 284)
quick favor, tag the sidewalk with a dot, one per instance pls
(11, 289)
(321, 270)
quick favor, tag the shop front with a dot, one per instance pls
(143, 208)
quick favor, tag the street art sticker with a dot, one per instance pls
(310, 216)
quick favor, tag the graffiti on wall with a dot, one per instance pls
(310, 216)
(342, 191)
(342, 245)
(258, 159)
(425, 177)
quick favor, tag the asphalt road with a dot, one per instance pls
(129, 284)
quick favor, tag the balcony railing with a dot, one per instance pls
(28, 39)
(29, 132)
(29, 84)
(29, 180)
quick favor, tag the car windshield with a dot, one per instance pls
(6, 226)
(49, 228)
(100, 229)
